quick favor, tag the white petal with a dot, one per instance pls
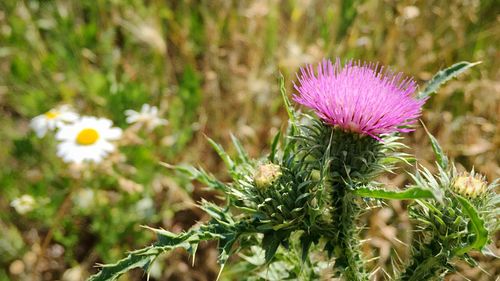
(68, 132)
(68, 116)
(106, 146)
(89, 121)
(130, 112)
(39, 125)
(111, 134)
(145, 108)
(103, 123)
(132, 118)
(154, 110)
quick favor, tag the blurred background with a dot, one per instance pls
(212, 68)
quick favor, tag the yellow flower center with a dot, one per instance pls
(51, 114)
(87, 136)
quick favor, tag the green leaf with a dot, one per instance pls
(242, 154)
(441, 158)
(225, 250)
(136, 259)
(408, 194)
(443, 76)
(144, 257)
(477, 225)
(199, 175)
(306, 241)
(274, 147)
(270, 243)
(226, 233)
(222, 154)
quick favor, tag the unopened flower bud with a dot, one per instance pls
(315, 175)
(266, 175)
(470, 185)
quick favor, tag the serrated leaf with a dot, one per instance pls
(407, 194)
(477, 225)
(166, 241)
(443, 76)
(136, 259)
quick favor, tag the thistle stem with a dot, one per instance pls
(347, 251)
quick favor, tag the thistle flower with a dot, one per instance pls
(359, 97)
(148, 116)
(88, 139)
(52, 119)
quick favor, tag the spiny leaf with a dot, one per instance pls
(242, 154)
(136, 259)
(441, 158)
(286, 101)
(225, 248)
(166, 241)
(274, 147)
(144, 257)
(489, 253)
(216, 212)
(222, 154)
(306, 241)
(199, 175)
(408, 194)
(477, 225)
(271, 242)
(443, 76)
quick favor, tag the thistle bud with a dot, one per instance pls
(470, 185)
(315, 175)
(266, 175)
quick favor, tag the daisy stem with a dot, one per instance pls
(61, 212)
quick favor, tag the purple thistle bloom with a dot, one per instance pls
(361, 98)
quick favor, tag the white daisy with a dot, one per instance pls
(87, 139)
(52, 119)
(148, 116)
(23, 204)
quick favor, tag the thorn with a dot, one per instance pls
(401, 242)
(372, 259)
(374, 272)
(220, 272)
(166, 165)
